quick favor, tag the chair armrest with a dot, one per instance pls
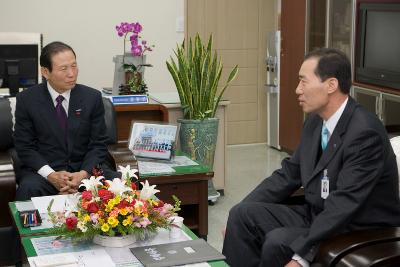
(381, 254)
(7, 187)
(334, 249)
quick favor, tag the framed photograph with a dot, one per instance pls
(150, 140)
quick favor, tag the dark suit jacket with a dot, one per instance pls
(362, 173)
(39, 139)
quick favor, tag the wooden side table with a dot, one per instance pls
(189, 184)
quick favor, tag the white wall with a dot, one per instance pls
(89, 27)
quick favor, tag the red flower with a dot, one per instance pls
(133, 186)
(93, 207)
(71, 222)
(123, 204)
(87, 195)
(105, 195)
(159, 204)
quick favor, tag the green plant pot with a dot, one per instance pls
(198, 139)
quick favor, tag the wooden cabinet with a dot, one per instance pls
(385, 105)
(330, 24)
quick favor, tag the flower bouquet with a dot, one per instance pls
(113, 208)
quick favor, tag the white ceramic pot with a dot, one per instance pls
(114, 241)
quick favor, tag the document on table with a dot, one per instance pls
(153, 166)
(121, 257)
(88, 258)
(146, 167)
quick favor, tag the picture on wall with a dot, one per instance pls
(148, 140)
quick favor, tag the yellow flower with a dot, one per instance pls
(105, 227)
(112, 221)
(127, 221)
(86, 218)
(123, 211)
(116, 200)
(138, 210)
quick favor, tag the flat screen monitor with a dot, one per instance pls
(18, 66)
(378, 44)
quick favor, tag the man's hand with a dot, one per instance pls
(293, 263)
(75, 180)
(59, 180)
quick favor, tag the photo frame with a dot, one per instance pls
(152, 140)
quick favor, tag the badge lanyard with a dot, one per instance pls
(325, 185)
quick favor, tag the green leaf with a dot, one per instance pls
(196, 71)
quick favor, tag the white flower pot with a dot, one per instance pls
(114, 241)
(119, 71)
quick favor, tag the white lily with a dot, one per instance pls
(148, 190)
(71, 204)
(91, 183)
(118, 186)
(127, 172)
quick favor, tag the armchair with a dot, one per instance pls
(375, 247)
(8, 254)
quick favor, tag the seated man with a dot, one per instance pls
(60, 133)
(344, 162)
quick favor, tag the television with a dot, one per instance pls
(377, 57)
(18, 66)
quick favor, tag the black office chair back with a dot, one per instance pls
(111, 121)
(6, 125)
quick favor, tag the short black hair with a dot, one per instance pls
(332, 63)
(50, 50)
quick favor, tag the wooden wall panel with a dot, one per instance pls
(240, 30)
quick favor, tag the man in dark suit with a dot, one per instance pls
(60, 133)
(344, 162)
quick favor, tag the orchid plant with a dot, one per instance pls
(114, 207)
(132, 30)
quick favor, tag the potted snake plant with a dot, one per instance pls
(196, 71)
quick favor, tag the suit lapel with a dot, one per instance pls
(335, 140)
(314, 144)
(48, 113)
(74, 111)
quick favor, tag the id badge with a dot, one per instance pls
(325, 185)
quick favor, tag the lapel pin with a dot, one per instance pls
(78, 112)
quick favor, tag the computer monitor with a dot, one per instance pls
(18, 66)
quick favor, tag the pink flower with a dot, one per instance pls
(124, 29)
(144, 222)
(94, 217)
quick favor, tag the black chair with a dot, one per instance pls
(119, 154)
(8, 255)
